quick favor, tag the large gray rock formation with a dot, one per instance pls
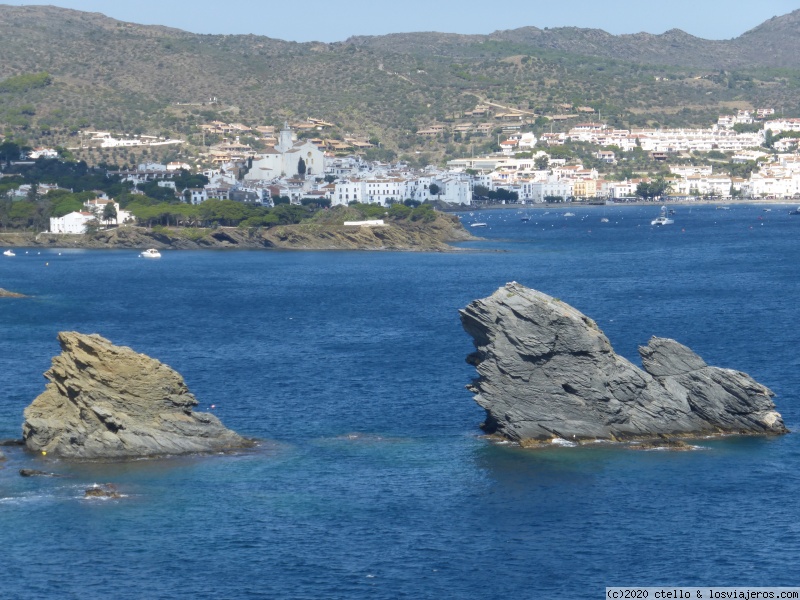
(107, 401)
(547, 371)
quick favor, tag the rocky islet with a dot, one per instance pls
(109, 402)
(546, 371)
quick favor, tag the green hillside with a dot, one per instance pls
(64, 71)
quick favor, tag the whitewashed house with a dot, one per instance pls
(73, 223)
(454, 190)
(348, 191)
(199, 195)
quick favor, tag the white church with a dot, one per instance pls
(284, 159)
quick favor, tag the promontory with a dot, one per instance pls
(341, 228)
(109, 402)
(547, 371)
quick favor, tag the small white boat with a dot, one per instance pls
(151, 253)
(9, 253)
(604, 220)
(569, 214)
(478, 225)
(662, 221)
(662, 218)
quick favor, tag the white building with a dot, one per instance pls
(42, 153)
(618, 190)
(778, 125)
(703, 185)
(453, 190)
(198, 195)
(772, 186)
(381, 191)
(284, 159)
(74, 222)
(98, 206)
(537, 191)
(348, 191)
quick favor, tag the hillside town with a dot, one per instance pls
(526, 169)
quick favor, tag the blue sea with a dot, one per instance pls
(372, 479)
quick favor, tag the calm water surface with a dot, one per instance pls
(372, 480)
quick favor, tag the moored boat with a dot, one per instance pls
(662, 219)
(151, 253)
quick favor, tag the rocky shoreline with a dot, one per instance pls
(405, 235)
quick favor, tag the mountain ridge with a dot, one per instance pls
(108, 74)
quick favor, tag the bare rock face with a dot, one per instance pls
(107, 401)
(547, 371)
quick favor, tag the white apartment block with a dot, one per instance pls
(703, 185)
(618, 190)
(454, 189)
(779, 125)
(772, 186)
(702, 140)
(689, 170)
(537, 191)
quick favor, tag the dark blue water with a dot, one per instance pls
(373, 481)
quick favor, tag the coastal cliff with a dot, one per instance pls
(109, 402)
(547, 371)
(395, 235)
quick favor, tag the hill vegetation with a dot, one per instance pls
(65, 71)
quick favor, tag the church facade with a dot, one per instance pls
(284, 159)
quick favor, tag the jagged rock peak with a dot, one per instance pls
(547, 371)
(106, 401)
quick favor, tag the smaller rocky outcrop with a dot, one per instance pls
(666, 444)
(109, 402)
(547, 371)
(7, 294)
(36, 473)
(102, 491)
